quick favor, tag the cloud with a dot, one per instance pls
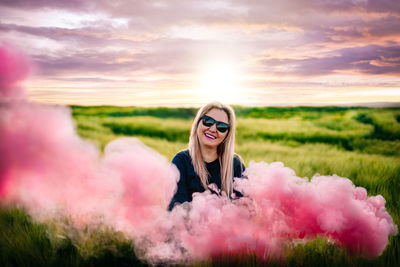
(40, 4)
(88, 36)
(168, 56)
(86, 61)
(369, 59)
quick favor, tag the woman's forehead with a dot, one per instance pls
(218, 114)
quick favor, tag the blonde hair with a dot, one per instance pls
(225, 150)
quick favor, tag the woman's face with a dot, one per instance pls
(210, 136)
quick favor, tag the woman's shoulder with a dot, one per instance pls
(237, 159)
(183, 161)
(182, 156)
(238, 165)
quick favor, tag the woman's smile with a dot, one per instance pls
(210, 136)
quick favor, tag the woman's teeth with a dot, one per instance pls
(210, 136)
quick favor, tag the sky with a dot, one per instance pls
(187, 53)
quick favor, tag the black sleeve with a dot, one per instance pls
(181, 194)
(238, 169)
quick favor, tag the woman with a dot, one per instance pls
(210, 158)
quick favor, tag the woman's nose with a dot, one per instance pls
(213, 127)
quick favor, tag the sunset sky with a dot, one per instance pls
(186, 53)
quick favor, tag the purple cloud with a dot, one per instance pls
(85, 62)
(39, 4)
(370, 59)
(87, 36)
(165, 56)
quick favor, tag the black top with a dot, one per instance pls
(189, 181)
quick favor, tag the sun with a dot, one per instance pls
(220, 81)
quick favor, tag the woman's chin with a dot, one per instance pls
(210, 143)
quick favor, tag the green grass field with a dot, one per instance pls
(362, 144)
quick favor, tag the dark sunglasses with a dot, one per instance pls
(209, 121)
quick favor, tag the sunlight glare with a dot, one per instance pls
(220, 81)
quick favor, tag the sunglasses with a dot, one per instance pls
(209, 121)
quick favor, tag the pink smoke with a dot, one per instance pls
(50, 170)
(278, 209)
(328, 205)
(47, 168)
(14, 68)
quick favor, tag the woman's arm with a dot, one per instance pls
(181, 194)
(238, 166)
(238, 169)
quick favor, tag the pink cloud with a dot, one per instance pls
(14, 68)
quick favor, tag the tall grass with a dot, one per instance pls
(24, 242)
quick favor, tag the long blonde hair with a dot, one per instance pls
(225, 150)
